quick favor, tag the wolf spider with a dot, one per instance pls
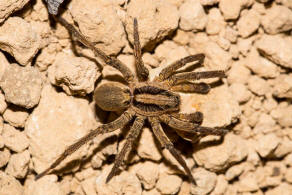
(155, 101)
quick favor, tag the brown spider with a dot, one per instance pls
(143, 100)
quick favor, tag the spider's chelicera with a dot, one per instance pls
(155, 101)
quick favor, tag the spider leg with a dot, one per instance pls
(111, 61)
(170, 69)
(142, 71)
(166, 143)
(196, 117)
(191, 127)
(133, 134)
(202, 88)
(105, 128)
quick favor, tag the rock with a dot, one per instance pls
(192, 16)
(88, 185)
(10, 6)
(283, 86)
(151, 192)
(247, 183)
(156, 19)
(288, 175)
(168, 184)
(4, 156)
(1, 142)
(15, 116)
(46, 57)
(57, 122)
(283, 188)
(22, 43)
(286, 3)
(209, 2)
(248, 23)
(22, 85)
(231, 9)
(215, 22)
(76, 75)
(283, 115)
(219, 157)
(230, 34)
(45, 186)
(265, 124)
(267, 144)
(221, 185)
(124, 183)
(150, 60)
(185, 188)
(147, 147)
(284, 148)
(3, 64)
(258, 85)
(245, 45)
(240, 92)
(147, 172)
(14, 140)
(18, 165)
(9, 185)
(238, 73)
(234, 171)
(205, 181)
(3, 104)
(277, 19)
(277, 49)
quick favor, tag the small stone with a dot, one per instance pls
(14, 140)
(231, 8)
(1, 141)
(9, 185)
(248, 23)
(3, 64)
(22, 85)
(185, 188)
(283, 86)
(209, 2)
(230, 34)
(192, 16)
(247, 183)
(88, 185)
(277, 49)
(168, 184)
(283, 188)
(22, 43)
(150, 60)
(45, 186)
(238, 73)
(245, 45)
(205, 181)
(234, 171)
(258, 85)
(267, 144)
(221, 185)
(147, 172)
(288, 175)
(18, 165)
(283, 115)
(15, 116)
(76, 75)
(265, 124)
(3, 104)
(277, 19)
(219, 157)
(10, 6)
(151, 192)
(215, 22)
(4, 156)
(284, 148)
(240, 92)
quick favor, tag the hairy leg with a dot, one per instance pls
(170, 69)
(106, 128)
(133, 134)
(142, 71)
(165, 142)
(202, 88)
(111, 61)
(196, 117)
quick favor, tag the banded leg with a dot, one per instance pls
(196, 117)
(166, 143)
(142, 71)
(170, 69)
(202, 88)
(111, 61)
(106, 128)
(133, 134)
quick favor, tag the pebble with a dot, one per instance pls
(15, 116)
(248, 23)
(9, 185)
(147, 172)
(18, 165)
(231, 9)
(266, 144)
(205, 181)
(168, 184)
(282, 86)
(14, 139)
(45, 186)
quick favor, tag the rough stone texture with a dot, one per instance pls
(277, 49)
(215, 22)
(267, 144)
(283, 86)
(283, 115)
(240, 92)
(248, 23)
(238, 73)
(3, 104)
(7, 7)
(147, 173)
(4, 156)
(14, 139)
(248, 183)
(18, 165)
(205, 180)
(45, 186)
(15, 117)
(22, 43)
(283, 188)
(61, 115)
(209, 2)
(231, 9)
(258, 85)
(76, 75)
(168, 184)
(221, 185)
(22, 85)
(9, 185)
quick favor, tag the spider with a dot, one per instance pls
(155, 101)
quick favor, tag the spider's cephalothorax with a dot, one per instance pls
(155, 101)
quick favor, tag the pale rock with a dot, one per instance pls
(181, 37)
(209, 2)
(205, 181)
(9, 185)
(100, 23)
(192, 16)
(283, 86)
(2, 144)
(219, 157)
(240, 92)
(88, 185)
(57, 122)
(168, 184)
(14, 139)
(277, 49)
(215, 22)
(96, 161)
(10, 6)
(231, 8)
(86, 173)
(3, 104)
(247, 183)
(283, 115)
(124, 183)
(234, 51)
(156, 19)
(265, 124)
(288, 175)
(45, 186)
(286, 3)
(258, 85)
(277, 19)
(15, 116)
(43, 29)
(230, 34)
(3, 64)
(231, 190)
(76, 75)
(288, 160)
(151, 192)
(283, 188)
(238, 73)
(245, 45)
(18, 165)
(46, 57)
(261, 66)
(221, 185)
(147, 172)
(4, 156)
(22, 85)
(223, 43)
(270, 104)
(147, 148)
(22, 43)
(284, 148)
(248, 23)
(185, 188)
(234, 171)
(266, 144)
(39, 11)
(150, 60)
(1, 125)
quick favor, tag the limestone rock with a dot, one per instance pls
(247, 183)
(7, 7)
(168, 184)
(267, 144)
(238, 73)
(248, 23)
(15, 117)
(18, 164)
(221, 185)
(258, 85)
(283, 115)
(3, 104)
(231, 8)
(209, 2)
(205, 180)
(14, 140)
(215, 22)
(240, 92)
(3, 64)
(4, 156)
(45, 186)
(22, 85)
(234, 171)
(22, 43)
(265, 124)
(283, 188)
(283, 86)
(57, 122)
(147, 172)
(9, 185)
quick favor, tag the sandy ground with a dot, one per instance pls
(48, 78)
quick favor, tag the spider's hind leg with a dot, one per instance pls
(195, 117)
